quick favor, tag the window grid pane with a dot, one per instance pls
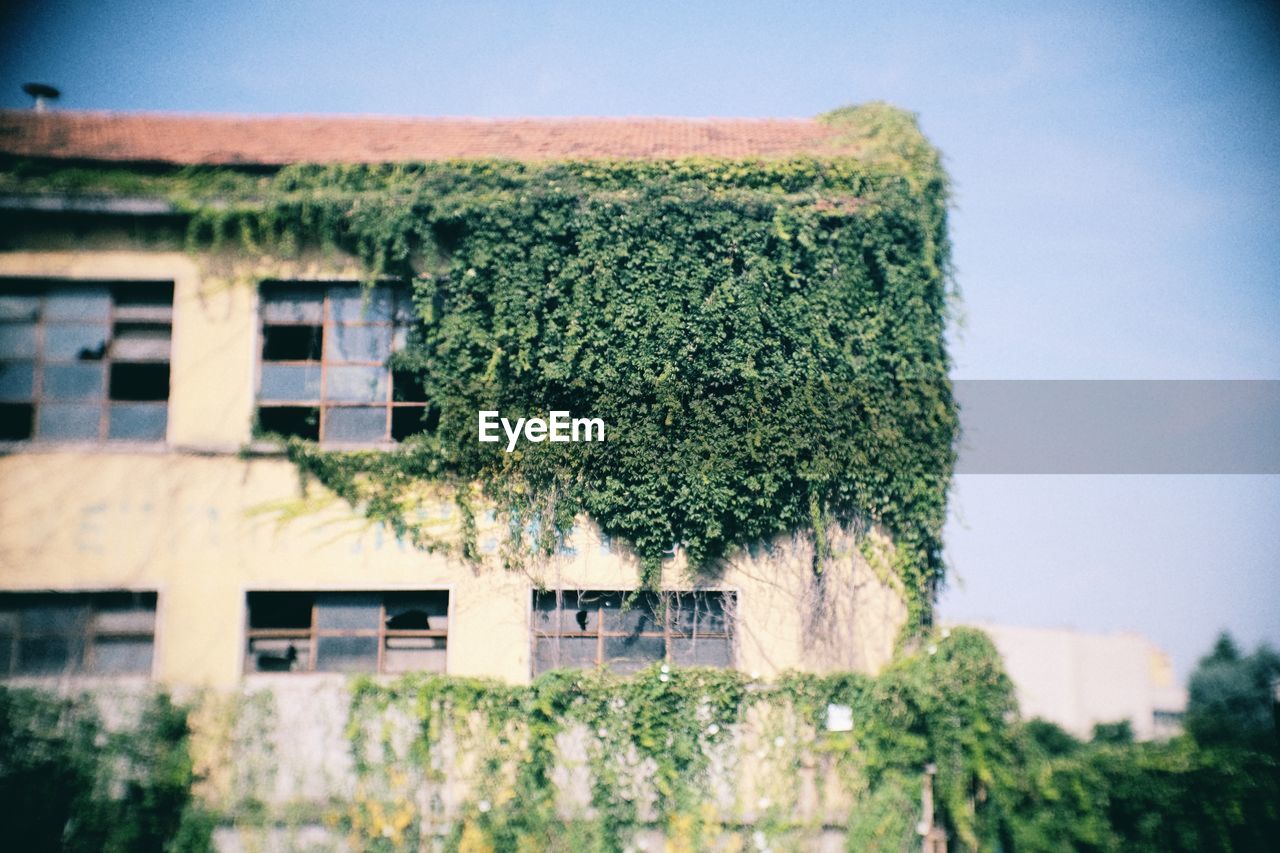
(71, 634)
(628, 631)
(59, 343)
(326, 346)
(378, 632)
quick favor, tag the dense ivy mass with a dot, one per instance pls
(763, 339)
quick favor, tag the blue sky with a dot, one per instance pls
(1116, 166)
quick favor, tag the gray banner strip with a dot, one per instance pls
(1119, 426)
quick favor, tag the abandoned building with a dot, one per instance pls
(158, 534)
(148, 533)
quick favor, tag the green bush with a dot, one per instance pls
(69, 783)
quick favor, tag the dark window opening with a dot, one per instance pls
(280, 609)
(407, 387)
(347, 632)
(16, 420)
(410, 420)
(148, 302)
(139, 382)
(299, 421)
(291, 343)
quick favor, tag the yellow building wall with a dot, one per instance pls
(201, 525)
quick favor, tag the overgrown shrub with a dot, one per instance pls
(67, 782)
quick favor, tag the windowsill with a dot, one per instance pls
(258, 448)
(77, 683)
(272, 679)
(268, 447)
(84, 447)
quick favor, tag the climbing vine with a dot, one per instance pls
(699, 754)
(763, 339)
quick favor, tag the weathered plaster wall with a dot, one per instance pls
(201, 525)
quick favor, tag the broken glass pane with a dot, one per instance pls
(407, 421)
(407, 387)
(75, 341)
(278, 654)
(417, 611)
(580, 611)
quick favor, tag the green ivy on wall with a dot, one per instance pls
(652, 742)
(763, 339)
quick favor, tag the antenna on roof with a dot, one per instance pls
(40, 91)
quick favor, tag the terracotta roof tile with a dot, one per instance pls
(277, 140)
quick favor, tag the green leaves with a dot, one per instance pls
(715, 324)
(763, 338)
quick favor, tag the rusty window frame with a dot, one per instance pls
(313, 633)
(82, 633)
(668, 608)
(323, 404)
(161, 315)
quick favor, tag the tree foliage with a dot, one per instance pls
(1231, 699)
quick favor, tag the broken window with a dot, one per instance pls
(627, 631)
(63, 633)
(84, 361)
(324, 371)
(389, 632)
